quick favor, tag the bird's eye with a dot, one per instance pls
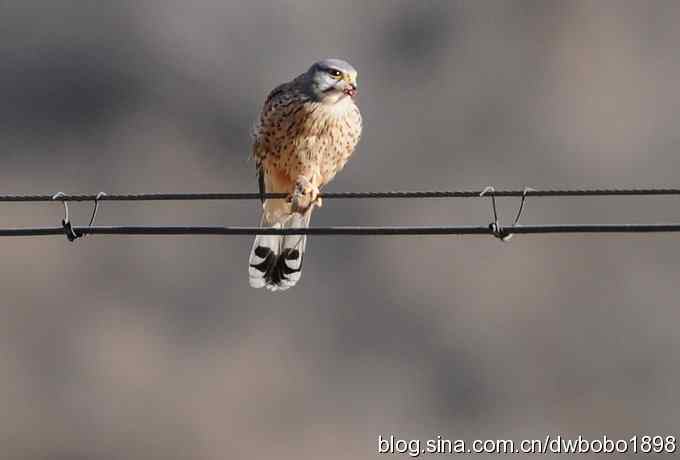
(335, 73)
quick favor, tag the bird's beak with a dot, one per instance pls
(351, 85)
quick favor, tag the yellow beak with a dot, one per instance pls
(351, 85)
(351, 79)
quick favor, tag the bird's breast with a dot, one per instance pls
(316, 137)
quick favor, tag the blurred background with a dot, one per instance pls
(155, 347)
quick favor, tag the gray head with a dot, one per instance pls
(331, 80)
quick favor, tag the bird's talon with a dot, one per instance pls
(304, 196)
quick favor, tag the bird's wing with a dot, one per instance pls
(270, 122)
(271, 118)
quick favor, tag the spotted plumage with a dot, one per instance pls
(306, 132)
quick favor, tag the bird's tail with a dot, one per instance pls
(276, 260)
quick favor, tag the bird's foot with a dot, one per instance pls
(305, 196)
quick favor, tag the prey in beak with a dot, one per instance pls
(350, 85)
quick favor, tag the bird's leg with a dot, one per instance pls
(305, 195)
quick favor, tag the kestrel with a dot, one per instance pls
(305, 134)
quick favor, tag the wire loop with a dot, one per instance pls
(96, 207)
(521, 204)
(495, 226)
(69, 231)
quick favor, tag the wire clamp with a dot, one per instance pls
(71, 233)
(495, 227)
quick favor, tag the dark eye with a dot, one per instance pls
(335, 73)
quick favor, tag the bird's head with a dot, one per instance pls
(332, 80)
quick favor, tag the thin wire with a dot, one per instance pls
(346, 195)
(420, 230)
